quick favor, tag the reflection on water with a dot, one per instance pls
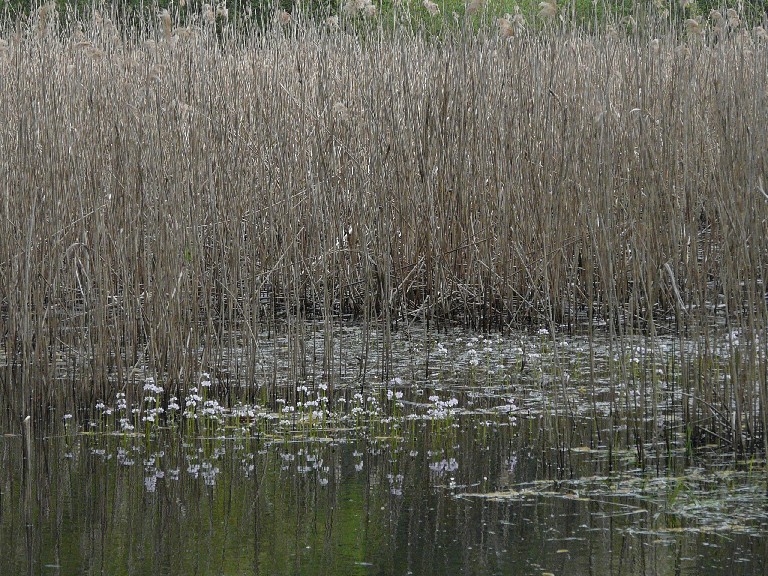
(481, 496)
(468, 455)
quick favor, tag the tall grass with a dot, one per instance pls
(171, 196)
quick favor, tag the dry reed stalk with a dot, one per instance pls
(167, 208)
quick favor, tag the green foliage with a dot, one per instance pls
(445, 15)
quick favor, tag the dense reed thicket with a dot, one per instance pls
(169, 195)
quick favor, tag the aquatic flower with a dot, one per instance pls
(150, 483)
(122, 457)
(211, 408)
(443, 466)
(151, 387)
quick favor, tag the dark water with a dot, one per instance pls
(468, 496)
(494, 456)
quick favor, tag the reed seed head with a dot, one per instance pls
(209, 16)
(431, 7)
(352, 7)
(165, 21)
(474, 6)
(332, 22)
(222, 12)
(46, 17)
(340, 111)
(548, 9)
(369, 10)
(694, 27)
(46, 10)
(283, 18)
(511, 24)
(506, 30)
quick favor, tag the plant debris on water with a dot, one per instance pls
(479, 272)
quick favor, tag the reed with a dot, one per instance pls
(173, 196)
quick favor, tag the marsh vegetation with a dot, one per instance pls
(391, 227)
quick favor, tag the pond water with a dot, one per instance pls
(460, 473)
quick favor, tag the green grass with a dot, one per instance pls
(585, 14)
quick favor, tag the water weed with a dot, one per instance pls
(284, 206)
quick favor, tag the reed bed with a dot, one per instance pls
(174, 195)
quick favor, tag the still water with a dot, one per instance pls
(486, 465)
(472, 499)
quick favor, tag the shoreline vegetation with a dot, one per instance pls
(177, 192)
